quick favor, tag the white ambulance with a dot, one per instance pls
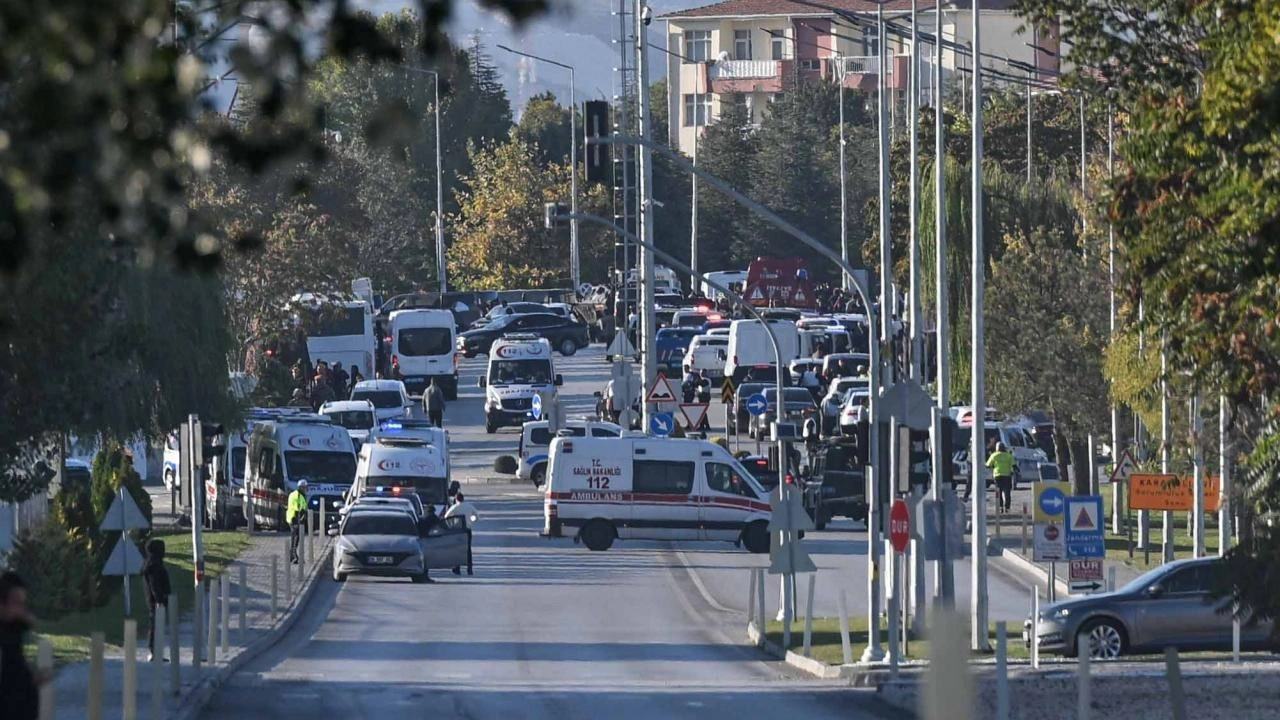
(420, 429)
(520, 368)
(640, 488)
(293, 447)
(403, 461)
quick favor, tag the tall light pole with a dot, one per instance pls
(944, 582)
(575, 256)
(440, 263)
(913, 239)
(648, 359)
(978, 600)
(882, 121)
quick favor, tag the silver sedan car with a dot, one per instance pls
(1171, 605)
(377, 541)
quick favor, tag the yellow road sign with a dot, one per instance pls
(1049, 499)
(726, 391)
(1172, 492)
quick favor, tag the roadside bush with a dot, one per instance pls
(58, 568)
(112, 470)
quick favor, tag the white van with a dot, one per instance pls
(749, 346)
(652, 489)
(520, 367)
(293, 447)
(707, 352)
(420, 429)
(535, 442)
(358, 417)
(723, 278)
(403, 461)
(425, 343)
(390, 399)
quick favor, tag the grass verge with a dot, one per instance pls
(827, 648)
(69, 635)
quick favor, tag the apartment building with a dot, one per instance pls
(755, 49)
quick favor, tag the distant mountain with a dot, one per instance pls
(578, 33)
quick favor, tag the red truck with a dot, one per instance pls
(779, 282)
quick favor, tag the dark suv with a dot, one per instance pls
(566, 335)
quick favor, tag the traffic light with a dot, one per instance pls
(920, 456)
(598, 161)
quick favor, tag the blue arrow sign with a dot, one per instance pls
(1052, 501)
(535, 407)
(661, 424)
(756, 404)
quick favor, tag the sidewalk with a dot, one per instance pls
(71, 686)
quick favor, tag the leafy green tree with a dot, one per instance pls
(544, 124)
(727, 149)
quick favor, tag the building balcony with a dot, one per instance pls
(862, 72)
(747, 76)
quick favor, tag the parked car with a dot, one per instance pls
(797, 406)
(739, 419)
(566, 335)
(831, 402)
(515, 308)
(1172, 605)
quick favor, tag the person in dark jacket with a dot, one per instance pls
(433, 404)
(156, 577)
(19, 685)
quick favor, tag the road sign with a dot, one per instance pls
(694, 413)
(1050, 498)
(661, 391)
(1084, 527)
(620, 349)
(661, 424)
(535, 407)
(726, 391)
(1171, 492)
(1048, 544)
(934, 525)
(756, 404)
(899, 525)
(1084, 575)
(786, 550)
(124, 515)
(788, 516)
(124, 558)
(1124, 468)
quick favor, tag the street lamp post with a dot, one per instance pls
(575, 256)
(978, 586)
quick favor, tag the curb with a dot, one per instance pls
(195, 700)
(1026, 566)
(513, 480)
(871, 675)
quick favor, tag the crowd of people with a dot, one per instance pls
(323, 384)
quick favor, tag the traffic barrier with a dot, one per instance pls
(1024, 529)
(224, 604)
(129, 709)
(1002, 671)
(1035, 622)
(242, 598)
(1082, 680)
(211, 648)
(93, 704)
(751, 594)
(1177, 698)
(760, 604)
(275, 589)
(846, 648)
(197, 630)
(161, 621)
(1111, 579)
(175, 650)
(808, 616)
(288, 571)
(304, 558)
(44, 662)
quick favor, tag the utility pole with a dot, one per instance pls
(1111, 275)
(645, 311)
(978, 628)
(886, 247)
(844, 195)
(1166, 541)
(913, 119)
(440, 259)
(941, 569)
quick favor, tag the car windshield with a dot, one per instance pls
(432, 490)
(351, 419)
(379, 524)
(237, 462)
(519, 372)
(416, 342)
(381, 399)
(792, 396)
(328, 468)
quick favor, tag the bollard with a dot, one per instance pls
(303, 556)
(999, 523)
(311, 549)
(175, 647)
(93, 703)
(241, 592)
(324, 527)
(948, 692)
(788, 608)
(224, 603)
(1024, 528)
(129, 710)
(1177, 699)
(44, 662)
(760, 604)
(1035, 624)
(846, 648)
(1082, 681)
(808, 615)
(211, 648)
(1235, 635)
(1002, 671)
(197, 630)
(160, 622)
(751, 596)
(275, 583)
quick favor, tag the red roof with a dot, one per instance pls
(753, 8)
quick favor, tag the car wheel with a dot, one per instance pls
(821, 519)
(418, 579)
(538, 475)
(490, 427)
(756, 537)
(339, 577)
(1106, 639)
(597, 535)
(568, 346)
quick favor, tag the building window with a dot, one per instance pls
(697, 45)
(741, 44)
(810, 64)
(779, 45)
(697, 110)
(870, 42)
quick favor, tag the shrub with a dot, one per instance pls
(58, 568)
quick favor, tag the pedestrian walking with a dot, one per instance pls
(433, 404)
(321, 391)
(295, 515)
(19, 684)
(156, 577)
(339, 378)
(1002, 463)
(356, 379)
(467, 511)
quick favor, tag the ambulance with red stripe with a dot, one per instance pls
(642, 488)
(293, 447)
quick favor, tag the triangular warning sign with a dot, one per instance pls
(694, 414)
(1084, 521)
(1125, 467)
(660, 391)
(756, 294)
(799, 297)
(124, 559)
(124, 515)
(621, 347)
